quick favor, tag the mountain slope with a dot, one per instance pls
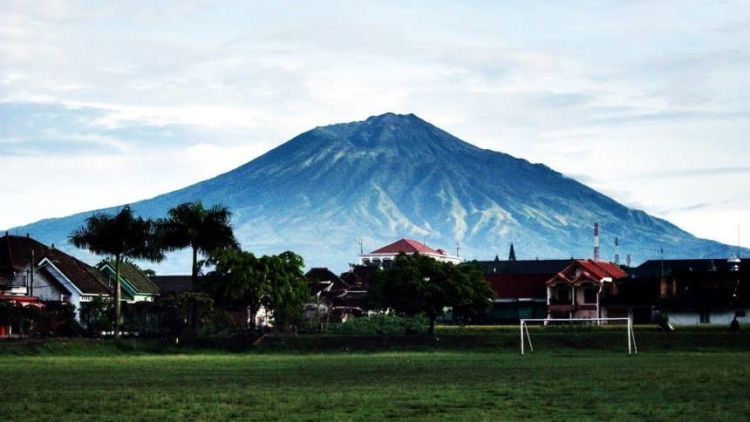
(394, 176)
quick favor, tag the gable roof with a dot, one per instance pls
(134, 276)
(593, 271)
(324, 282)
(173, 283)
(15, 254)
(88, 279)
(52, 279)
(407, 246)
(359, 276)
(323, 274)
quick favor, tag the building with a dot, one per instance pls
(173, 284)
(689, 291)
(135, 285)
(30, 268)
(358, 277)
(519, 286)
(384, 256)
(334, 299)
(576, 291)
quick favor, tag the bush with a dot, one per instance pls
(98, 315)
(382, 325)
(56, 319)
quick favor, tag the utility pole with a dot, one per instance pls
(596, 241)
(31, 275)
(617, 251)
(661, 252)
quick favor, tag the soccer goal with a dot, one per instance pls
(526, 337)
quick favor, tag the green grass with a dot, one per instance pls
(469, 373)
(567, 384)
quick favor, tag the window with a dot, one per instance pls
(562, 294)
(589, 295)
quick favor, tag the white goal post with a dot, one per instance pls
(524, 327)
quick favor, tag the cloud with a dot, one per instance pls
(700, 172)
(643, 100)
(51, 129)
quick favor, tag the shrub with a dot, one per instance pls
(56, 319)
(380, 324)
(98, 315)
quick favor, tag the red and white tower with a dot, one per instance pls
(596, 241)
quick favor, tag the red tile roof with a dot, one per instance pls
(407, 246)
(612, 270)
(591, 270)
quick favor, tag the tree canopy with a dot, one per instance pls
(118, 236)
(275, 282)
(417, 284)
(202, 229)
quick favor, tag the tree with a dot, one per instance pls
(276, 282)
(417, 284)
(289, 290)
(118, 236)
(238, 280)
(202, 229)
(97, 315)
(185, 312)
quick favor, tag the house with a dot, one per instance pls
(47, 274)
(576, 291)
(384, 257)
(333, 298)
(324, 283)
(520, 286)
(689, 291)
(172, 284)
(358, 277)
(135, 286)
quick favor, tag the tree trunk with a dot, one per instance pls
(118, 308)
(253, 313)
(194, 277)
(431, 330)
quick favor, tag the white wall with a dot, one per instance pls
(46, 290)
(715, 318)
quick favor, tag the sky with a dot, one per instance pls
(106, 103)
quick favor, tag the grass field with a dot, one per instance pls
(565, 384)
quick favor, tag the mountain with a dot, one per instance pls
(394, 176)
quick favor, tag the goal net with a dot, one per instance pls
(526, 337)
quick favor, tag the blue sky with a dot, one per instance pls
(646, 101)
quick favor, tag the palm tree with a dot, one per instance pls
(202, 229)
(118, 236)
